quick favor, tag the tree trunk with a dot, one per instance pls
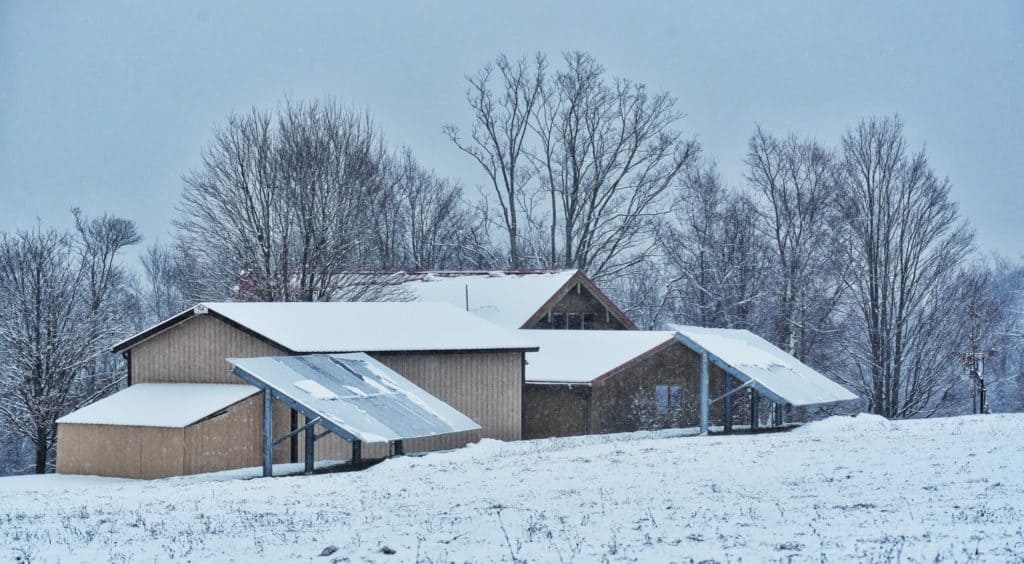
(41, 450)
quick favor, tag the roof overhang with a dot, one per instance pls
(201, 309)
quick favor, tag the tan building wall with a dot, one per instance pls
(194, 352)
(226, 440)
(120, 451)
(626, 400)
(486, 386)
(230, 440)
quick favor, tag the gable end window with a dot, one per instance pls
(669, 399)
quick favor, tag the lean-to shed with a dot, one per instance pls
(584, 382)
(162, 430)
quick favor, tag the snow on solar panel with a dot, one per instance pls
(355, 396)
(774, 370)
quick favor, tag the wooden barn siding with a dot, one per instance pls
(194, 352)
(582, 301)
(120, 451)
(485, 386)
(554, 411)
(626, 401)
(230, 440)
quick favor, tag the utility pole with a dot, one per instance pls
(973, 362)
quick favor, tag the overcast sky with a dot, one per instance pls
(106, 105)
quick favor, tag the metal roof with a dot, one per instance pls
(161, 405)
(584, 356)
(771, 371)
(339, 327)
(354, 395)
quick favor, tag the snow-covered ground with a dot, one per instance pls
(861, 489)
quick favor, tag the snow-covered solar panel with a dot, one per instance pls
(774, 372)
(355, 396)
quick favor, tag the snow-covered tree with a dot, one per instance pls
(907, 241)
(58, 317)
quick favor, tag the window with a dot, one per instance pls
(669, 399)
(575, 321)
(558, 320)
(588, 320)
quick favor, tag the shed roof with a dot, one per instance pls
(309, 327)
(354, 395)
(580, 357)
(160, 405)
(773, 371)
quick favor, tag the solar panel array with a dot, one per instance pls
(355, 396)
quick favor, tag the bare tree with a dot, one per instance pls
(498, 139)
(907, 240)
(607, 154)
(795, 184)
(282, 203)
(57, 319)
(165, 287)
(714, 253)
(421, 221)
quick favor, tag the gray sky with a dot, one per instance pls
(106, 105)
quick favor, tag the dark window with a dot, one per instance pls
(669, 399)
(588, 320)
(558, 320)
(575, 321)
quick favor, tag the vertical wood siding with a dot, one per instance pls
(120, 451)
(486, 386)
(194, 352)
(627, 401)
(554, 411)
(230, 440)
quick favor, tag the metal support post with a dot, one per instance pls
(728, 403)
(310, 436)
(705, 399)
(357, 452)
(268, 433)
(754, 400)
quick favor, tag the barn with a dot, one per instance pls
(515, 299)
(472, 365)
(589, 382)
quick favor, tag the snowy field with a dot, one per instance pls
(840, 490)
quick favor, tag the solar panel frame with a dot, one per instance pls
(371, 403)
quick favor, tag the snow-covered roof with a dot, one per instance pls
(355, 396)
(160, 405)
(308, 327)
(774, 371)
(508, 299)
(579, 357)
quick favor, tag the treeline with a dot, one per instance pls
(848, 253)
